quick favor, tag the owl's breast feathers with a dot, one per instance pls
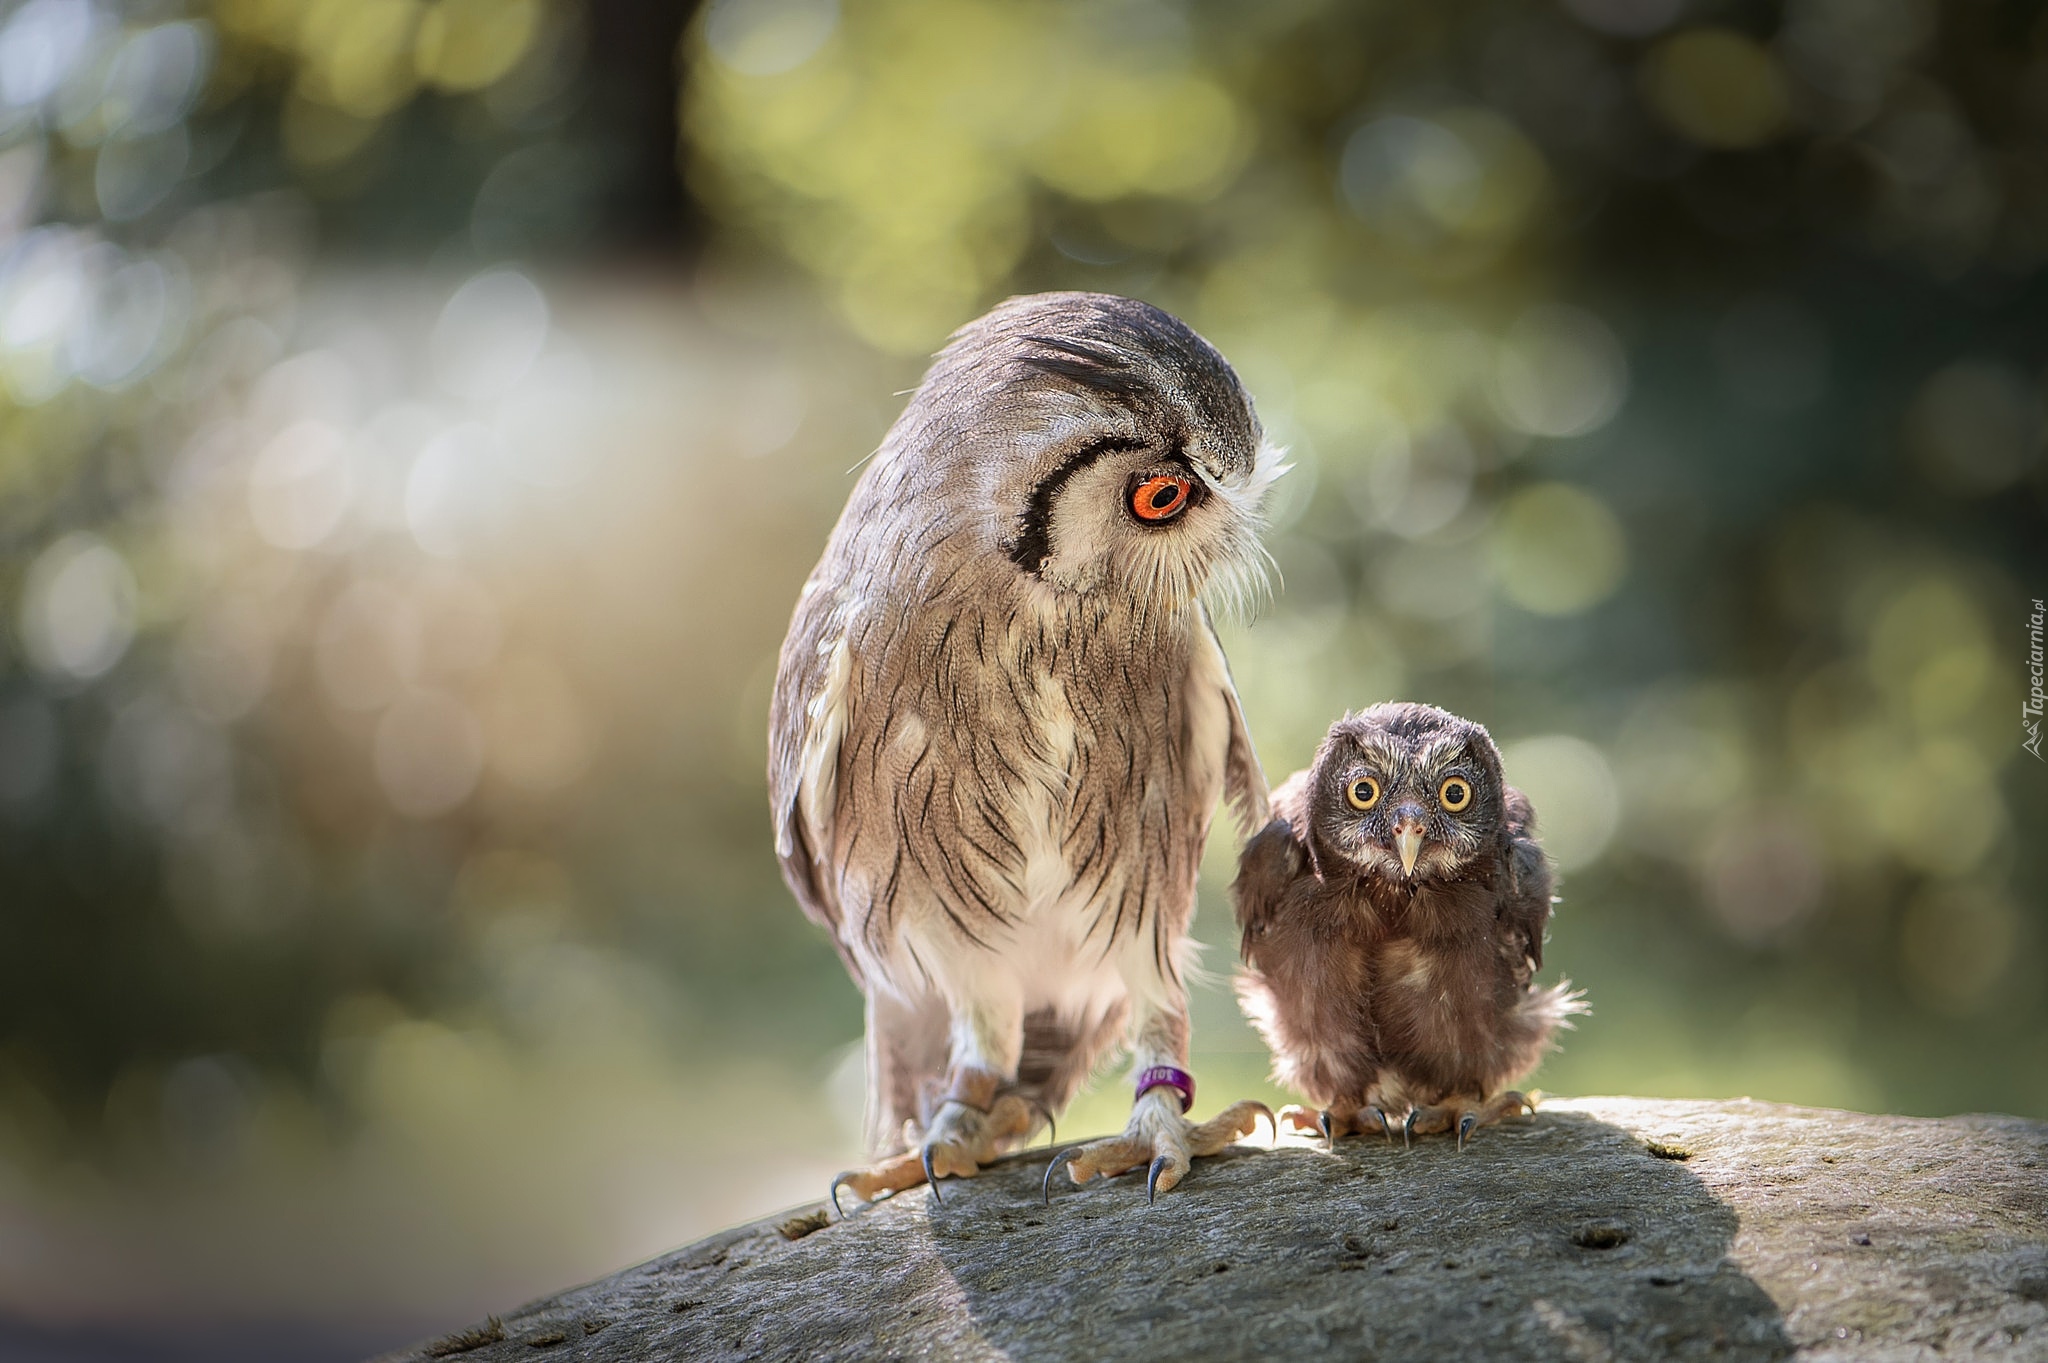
(969, 756)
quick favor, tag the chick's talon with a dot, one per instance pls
(1466, 1115)
(1305, 1120)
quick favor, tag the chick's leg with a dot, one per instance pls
(1158, 1136)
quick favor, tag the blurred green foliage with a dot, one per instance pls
(416, 419)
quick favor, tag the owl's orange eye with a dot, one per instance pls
(1363, 793)
(1160, 498)
(1454, 794)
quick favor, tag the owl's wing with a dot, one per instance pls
(806, 725)
(1244, 784)
(1524, 908)
(1270, 864)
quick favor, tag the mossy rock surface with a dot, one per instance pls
(1603, 1228)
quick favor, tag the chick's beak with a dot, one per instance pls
(1408, 838)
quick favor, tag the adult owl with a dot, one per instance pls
(1392, 917)
(1002, 722)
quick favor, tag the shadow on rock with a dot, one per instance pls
(1561, 1237)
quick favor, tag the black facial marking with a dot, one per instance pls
(1032, 543)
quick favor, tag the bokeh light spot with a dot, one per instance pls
(469, 44)
(1464, 174)
(358, 55)
(1717, 87)
(1975, 427)
(455, 495)
(39, 46)
(1560, 372)
(489, 334)
(768, 37)
(1176, 135)
(1939, 808)
(368, 646)
(300, 484)
(155, 78)
(1557, 550)
(78, 607)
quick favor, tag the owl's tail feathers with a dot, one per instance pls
(1543, 1013)
(1554, 1007)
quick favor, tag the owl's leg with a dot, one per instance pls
(968, 1107)
(1009, 1116)
(1466, 1115)
(978, 1113)
(1158, 1135)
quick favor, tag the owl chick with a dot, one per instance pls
(1001, 724)
(1392, 917)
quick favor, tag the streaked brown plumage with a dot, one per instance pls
(1002, 722)
(1393, 923)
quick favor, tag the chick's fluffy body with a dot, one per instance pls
(1372, 986)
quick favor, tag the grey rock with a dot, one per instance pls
(1605, 1228)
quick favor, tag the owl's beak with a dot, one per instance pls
(1408, 839)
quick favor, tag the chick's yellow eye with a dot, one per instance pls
(1160, 498)
(1455, 793)
(1363, 793)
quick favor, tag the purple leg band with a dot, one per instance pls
(1166, 1076)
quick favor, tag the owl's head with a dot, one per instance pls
(1405, 792)
(1107, 448)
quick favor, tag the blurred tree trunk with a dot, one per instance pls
(635, 75)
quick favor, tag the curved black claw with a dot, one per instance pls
(1045, 1190)
(1386, 1127)
(1328, 1129)
(1272, 1123)
(1408, 1127)
(1052, 1128)
(1465, 1128)
(930, 1177)
(837, 1184)
(1159, 1166)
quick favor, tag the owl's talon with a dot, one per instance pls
(1160, 1165)
(931, 1178)
(1465, 1128)
(872, 1184)
(1272, 1123)
(1052, 1126)
(1408, 1127)
(1045, 1190)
